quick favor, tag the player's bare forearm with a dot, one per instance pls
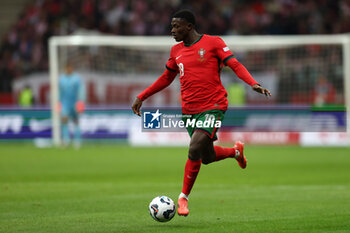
(261, 90)
(136, 106)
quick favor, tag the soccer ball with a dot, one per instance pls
(162, 209)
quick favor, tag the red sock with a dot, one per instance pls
(223, 152)
(191, 172)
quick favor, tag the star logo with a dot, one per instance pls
(156, 115)
(151, 120)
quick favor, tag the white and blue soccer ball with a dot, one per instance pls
(162, 209)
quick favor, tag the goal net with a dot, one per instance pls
(298, 70)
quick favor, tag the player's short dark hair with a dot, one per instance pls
(186, 15)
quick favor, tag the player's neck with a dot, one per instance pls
(192, 37)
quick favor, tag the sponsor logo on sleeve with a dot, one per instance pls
(226, 49)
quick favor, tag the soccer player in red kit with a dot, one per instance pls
(199, 60)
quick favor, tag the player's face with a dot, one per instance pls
(180, 29)
(69, 69)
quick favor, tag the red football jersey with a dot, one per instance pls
(199, 66)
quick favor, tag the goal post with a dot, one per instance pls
(56, 64)
(282, 55)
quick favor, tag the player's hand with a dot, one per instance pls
(136, 106)
(261, 90)
(58, 107)
(80, 106)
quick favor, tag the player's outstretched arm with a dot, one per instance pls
(162, 82)
(136, 106)
(243, 74)
(261, 90)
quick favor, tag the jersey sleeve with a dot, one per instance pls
(222, 50)
(162, 82)
(241, 72)
(171, 64)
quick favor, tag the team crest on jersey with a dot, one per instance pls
(201, 53)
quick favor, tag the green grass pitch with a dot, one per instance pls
(108, 188)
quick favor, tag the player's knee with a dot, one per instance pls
(207, 160)
(195, 151)
(64, 120)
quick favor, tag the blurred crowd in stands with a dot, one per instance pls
(24, 48)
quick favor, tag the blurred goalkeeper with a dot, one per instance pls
(199, 60)
(72, 95)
